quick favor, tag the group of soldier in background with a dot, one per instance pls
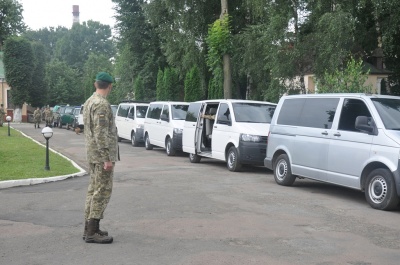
(48, 117)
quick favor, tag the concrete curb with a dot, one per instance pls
(33, 181)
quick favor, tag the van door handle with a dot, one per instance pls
(337, 134)
(325, 133)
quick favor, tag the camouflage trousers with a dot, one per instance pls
(99, 191)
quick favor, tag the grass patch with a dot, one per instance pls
(21, 158)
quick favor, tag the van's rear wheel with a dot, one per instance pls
(169, 148)
(380, 190)
(232, 160)
(147, 144)
(194, 158)
(283, 171)
(134, 140)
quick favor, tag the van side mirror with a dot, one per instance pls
(130, 115)
(164, 117)
(363, 123)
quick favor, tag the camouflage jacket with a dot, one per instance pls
(48, 114)
(36, 114)
(100, 130)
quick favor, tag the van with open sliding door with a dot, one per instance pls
(351, 140)
(235, 131)
(163, 125)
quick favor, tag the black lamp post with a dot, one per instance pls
(47, 134)
(8, 119)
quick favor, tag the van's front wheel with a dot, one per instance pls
(134, 140)
(380, 190)
(147, 144)
(169, 148)
(283, 171)
(232, 160)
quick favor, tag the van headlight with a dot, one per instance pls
(250, 138)
(140, 126)
(178, 130)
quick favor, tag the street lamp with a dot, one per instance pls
(8, 119)
(47, 134)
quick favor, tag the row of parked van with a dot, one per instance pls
(352, 140)
(234, 131)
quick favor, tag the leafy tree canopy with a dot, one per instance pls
(11, 21)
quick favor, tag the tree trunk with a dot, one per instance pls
(226, 59)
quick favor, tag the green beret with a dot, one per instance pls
(103, 76)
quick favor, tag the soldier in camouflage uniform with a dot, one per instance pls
(102, 153)
(37, 116)
(48, 116)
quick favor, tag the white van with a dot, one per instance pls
(352, 140)
(164, 124)
(129, 119)
(237, 134)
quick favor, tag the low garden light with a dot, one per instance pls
(8, 119)
(47, 134)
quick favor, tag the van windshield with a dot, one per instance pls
(389, 110)
(179, 112)
(253, 112)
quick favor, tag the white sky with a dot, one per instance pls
(52, 13)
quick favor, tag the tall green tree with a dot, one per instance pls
(171, 85)
(19, 62)
(48, 37)
(124, 73)
(38, 90)
(348, 79)
(81, 40)
(193, 90)
(138, 36)
(160, 91)
(139, 89)
(64, 84)
(11, 20)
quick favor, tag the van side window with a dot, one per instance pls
(154, 111)
(123, 111)
(290, 111)
(319, 112)
(224, 115)
(131, 113)
(193, 112)
(165, 111)
(352, 108)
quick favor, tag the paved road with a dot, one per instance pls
(165, 210)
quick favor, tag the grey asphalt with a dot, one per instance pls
(165, 210)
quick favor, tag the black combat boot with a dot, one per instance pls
(92, 235)
(100, 232)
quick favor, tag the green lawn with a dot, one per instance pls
(21, 158)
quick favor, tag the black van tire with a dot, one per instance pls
(193, 158)
(147, 144)
(134, 140)
(169, 147)
(380, 190)
(283, 171)
(232, 160)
